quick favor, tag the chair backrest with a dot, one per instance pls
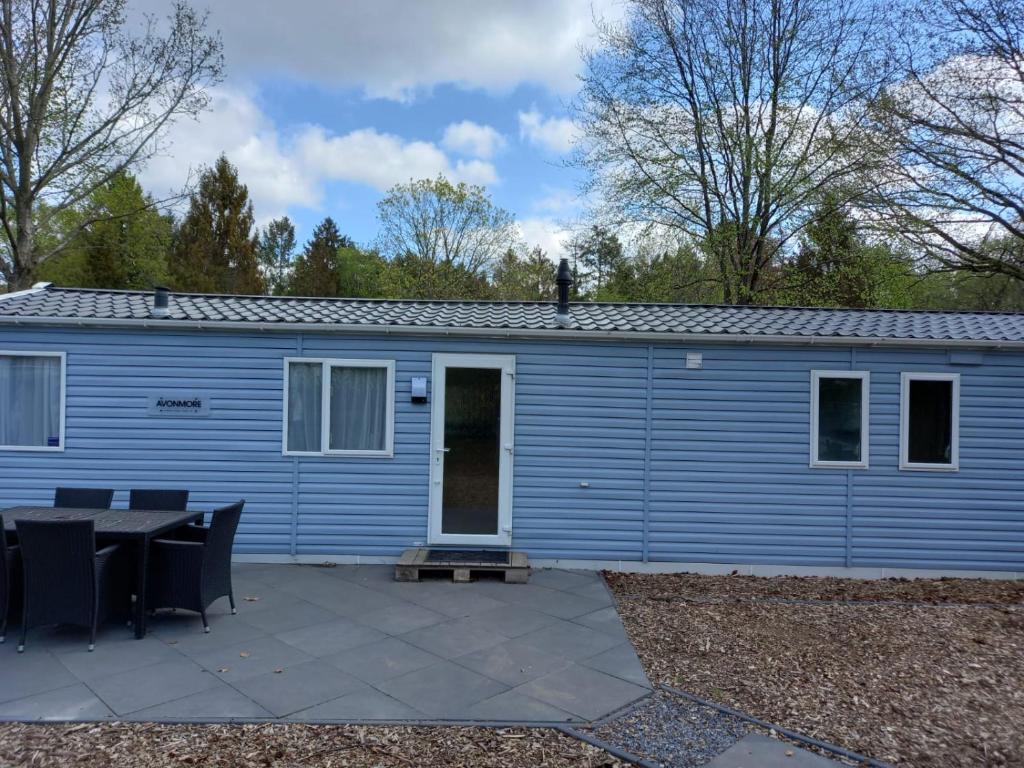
(85, 498)
(5, 597)
(223, 523)
(59, 565)
(156, 500)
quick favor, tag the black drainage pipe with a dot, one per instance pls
(611, 749)
(809, 740)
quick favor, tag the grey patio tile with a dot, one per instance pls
(453, 638)
(563, 605)
(620, 661)
(456, 601)
(74, 702)
(595, 591)
(556, 578)
(32, 672)
(512, 705)
(264, 654)
(112, 658)
(584, 692)
(513, 620)
(512, 663)
(569, 640)
(221, 701)
(257, 599)
(384, 660)
(765, 752)
(400, 618)
(293, 616)
(299, 687)
(362, 705)
(188, 637)
(366, 575)
(605, 620)
(444, 690)
(137, 689)
(331, 637)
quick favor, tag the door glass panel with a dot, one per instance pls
(472, 433)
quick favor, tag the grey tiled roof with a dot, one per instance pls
(76, 305)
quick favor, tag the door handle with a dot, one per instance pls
(443, 450)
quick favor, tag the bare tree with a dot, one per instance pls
(726, 121)
(441, 223)
(82, 100)
(954, 126)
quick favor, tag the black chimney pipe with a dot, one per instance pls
(563, 281)
(161, 302)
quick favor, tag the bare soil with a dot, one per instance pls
(915, 673)
(279, 746)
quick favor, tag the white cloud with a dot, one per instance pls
(555, 134)
(473, 139)
(548, 234)
(393, 48)
(291, 170)
(558, 201)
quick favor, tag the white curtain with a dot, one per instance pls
(358, 408)
(304, 406)
(30, 401)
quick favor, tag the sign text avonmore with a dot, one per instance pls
(179, 405)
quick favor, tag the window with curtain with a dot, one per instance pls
(30, 401)
(340, 407)
(839, 418)
(929, 424)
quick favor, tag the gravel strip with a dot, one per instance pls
(674, 732)
(149, 745)
(941, 685)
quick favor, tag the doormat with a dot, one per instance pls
(488, 556)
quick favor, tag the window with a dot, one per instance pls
(32, 401)
(839, 418)
(930, 421)
(339, 407)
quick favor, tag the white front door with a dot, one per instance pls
(471, 449)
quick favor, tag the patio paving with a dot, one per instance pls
(344, 643)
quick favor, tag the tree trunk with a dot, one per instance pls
(22, 258)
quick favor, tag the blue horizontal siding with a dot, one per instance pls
(721, 477)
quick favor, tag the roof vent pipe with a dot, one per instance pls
(161, 299)
(563, 281)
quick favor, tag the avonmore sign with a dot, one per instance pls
(179, 405)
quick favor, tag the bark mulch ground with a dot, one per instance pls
(916, 673)
(280, 746)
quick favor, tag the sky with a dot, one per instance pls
(326, 104)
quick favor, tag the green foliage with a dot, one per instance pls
(274, 252)
(332, 265)
(596, 256)
(669, 276)
(524, 277)
(215, 245)
(413, 277)
(121, 243)
(444, 223)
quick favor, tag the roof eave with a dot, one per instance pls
(553, 333)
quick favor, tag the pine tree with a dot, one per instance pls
(274, 254)
(119, 240)
(215, 248)
(317, 270)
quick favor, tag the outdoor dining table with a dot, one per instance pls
(122, 525)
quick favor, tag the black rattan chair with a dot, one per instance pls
(66, 580)
(10, 578)
(192, 573)
(84, 498)
(155, 500)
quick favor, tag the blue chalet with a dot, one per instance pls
(646, 437)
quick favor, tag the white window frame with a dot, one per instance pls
(954, 440)
(865, 418)
(325, 407)
(63, 399)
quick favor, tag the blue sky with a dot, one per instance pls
(325, 105)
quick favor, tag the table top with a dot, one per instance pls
(109, 522)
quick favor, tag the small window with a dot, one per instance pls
(339, 407)
(930, 421)
(32, 401)
(839, 418)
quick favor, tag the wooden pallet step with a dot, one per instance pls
(413, 562)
